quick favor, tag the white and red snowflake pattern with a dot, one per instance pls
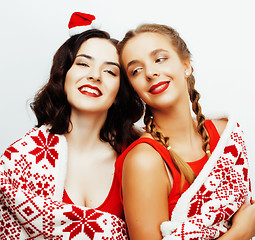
(45, 147)
(204, 210)
(31, 207)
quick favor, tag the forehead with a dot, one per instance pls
(145, 43)
(148, 40)
(99, 48)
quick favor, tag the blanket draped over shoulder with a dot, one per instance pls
(32, 174)
(223, 185)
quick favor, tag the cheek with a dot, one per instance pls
(169, 71)
(137, 88)
(75, 73)
(70, 80)
(134, 85)
(69, 75)
(72, 76)
(139, 84)
(67, 83)
(114, 87)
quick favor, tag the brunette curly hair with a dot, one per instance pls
(51, 107)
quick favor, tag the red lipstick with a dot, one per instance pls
(89, 90)
(159, 87)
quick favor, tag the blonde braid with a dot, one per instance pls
(183, 168)
(152, 129)
(194, 98)
(184, 54)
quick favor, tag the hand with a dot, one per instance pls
(244, 220)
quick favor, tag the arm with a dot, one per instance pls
(27, 211)
(243, 224)
(221, 195)
(145, 189)
(40, 216)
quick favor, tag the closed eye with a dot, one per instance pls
(111, 72)
(83, 64)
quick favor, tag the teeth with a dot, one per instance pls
(90, 90)
(159, 87)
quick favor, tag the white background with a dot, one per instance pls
(220, 34)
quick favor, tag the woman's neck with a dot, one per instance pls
(177, 124)
(85, 130)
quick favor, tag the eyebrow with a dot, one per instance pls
(92, 58)
(153, 53)
(156, 51)
(131, 63)
(84, 55)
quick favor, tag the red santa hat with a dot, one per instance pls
(80, 22)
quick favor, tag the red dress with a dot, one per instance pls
(112, 204)
(196, 165)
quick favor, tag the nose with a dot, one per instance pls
(151, 73)
(94, 75)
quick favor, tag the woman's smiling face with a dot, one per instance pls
(155, 70)
(93, 80)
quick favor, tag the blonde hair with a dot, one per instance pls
(183, 52)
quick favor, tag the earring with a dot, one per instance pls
(187, 73)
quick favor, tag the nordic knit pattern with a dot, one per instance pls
(204, 209)
(32, 173)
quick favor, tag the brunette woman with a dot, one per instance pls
(59, 181)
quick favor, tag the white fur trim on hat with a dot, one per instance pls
(79, 29)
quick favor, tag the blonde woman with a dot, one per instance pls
(190, 174)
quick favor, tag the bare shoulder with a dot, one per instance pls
(143, 157)
(145, 190)
(220, 124)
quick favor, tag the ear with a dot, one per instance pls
(187, 67)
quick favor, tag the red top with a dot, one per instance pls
(112, 204)
(196, 165)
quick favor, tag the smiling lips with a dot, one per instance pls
(90, 91)
(159, 87)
